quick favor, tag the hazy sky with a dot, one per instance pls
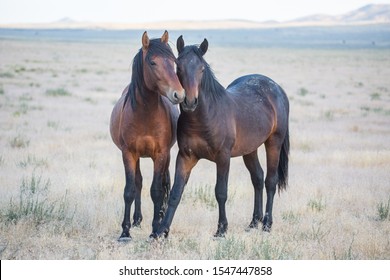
(33, 11)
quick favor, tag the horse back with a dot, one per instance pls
(258, 90)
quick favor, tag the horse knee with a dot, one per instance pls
(221, 196)
(129, 194)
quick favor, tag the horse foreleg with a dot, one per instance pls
(184, 166)
(129, 193)
(159, 190)
(223, 166)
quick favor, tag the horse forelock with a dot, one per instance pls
(158, 48)
(209, 83)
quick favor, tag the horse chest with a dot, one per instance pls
(145, 146)
(199, 147)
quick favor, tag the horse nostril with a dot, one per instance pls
(188, 103)
(175, 96)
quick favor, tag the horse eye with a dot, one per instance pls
(153, 63)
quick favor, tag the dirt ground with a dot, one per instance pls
(62, 179)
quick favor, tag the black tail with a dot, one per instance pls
(283, 163)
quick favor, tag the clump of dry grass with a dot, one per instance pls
(33, 203)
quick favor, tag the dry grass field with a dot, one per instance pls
(61, 177)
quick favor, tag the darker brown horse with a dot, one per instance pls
(143, 124)
(217, 124)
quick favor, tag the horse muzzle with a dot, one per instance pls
(189, 105)
(176, 97)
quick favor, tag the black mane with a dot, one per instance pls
(209, 83)
(156, 47)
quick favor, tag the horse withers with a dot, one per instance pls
(217, 123)
(143, 124)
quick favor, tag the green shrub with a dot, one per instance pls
(383, 209)
(316, 204)
(58, 92)
(34, 204)
(19, 142)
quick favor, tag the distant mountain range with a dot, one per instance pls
(369, 14)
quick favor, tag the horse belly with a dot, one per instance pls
(252, 130)
(242, 147)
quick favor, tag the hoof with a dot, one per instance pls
(220, 234)
(153, 235)
(221, 230)
(267, 228)
(153, 238)
(253, 225)
(124, 239)
(217, 237)
(267, 223)
(137, 224)
(160, 234)
(249, 228)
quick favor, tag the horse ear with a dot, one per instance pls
(165, 37)
(145, 41)
(204, 46)
(180, 44)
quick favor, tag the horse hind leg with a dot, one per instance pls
(273, 147)
(159, 189)
(257, 177)
(166, 184)
(137, 217)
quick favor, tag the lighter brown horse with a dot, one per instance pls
(143, 124)
(217, 123)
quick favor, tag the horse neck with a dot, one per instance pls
(212, 101)
(147, 99)
(207, 110)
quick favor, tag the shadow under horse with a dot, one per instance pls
(143, 124)
(217, 123)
